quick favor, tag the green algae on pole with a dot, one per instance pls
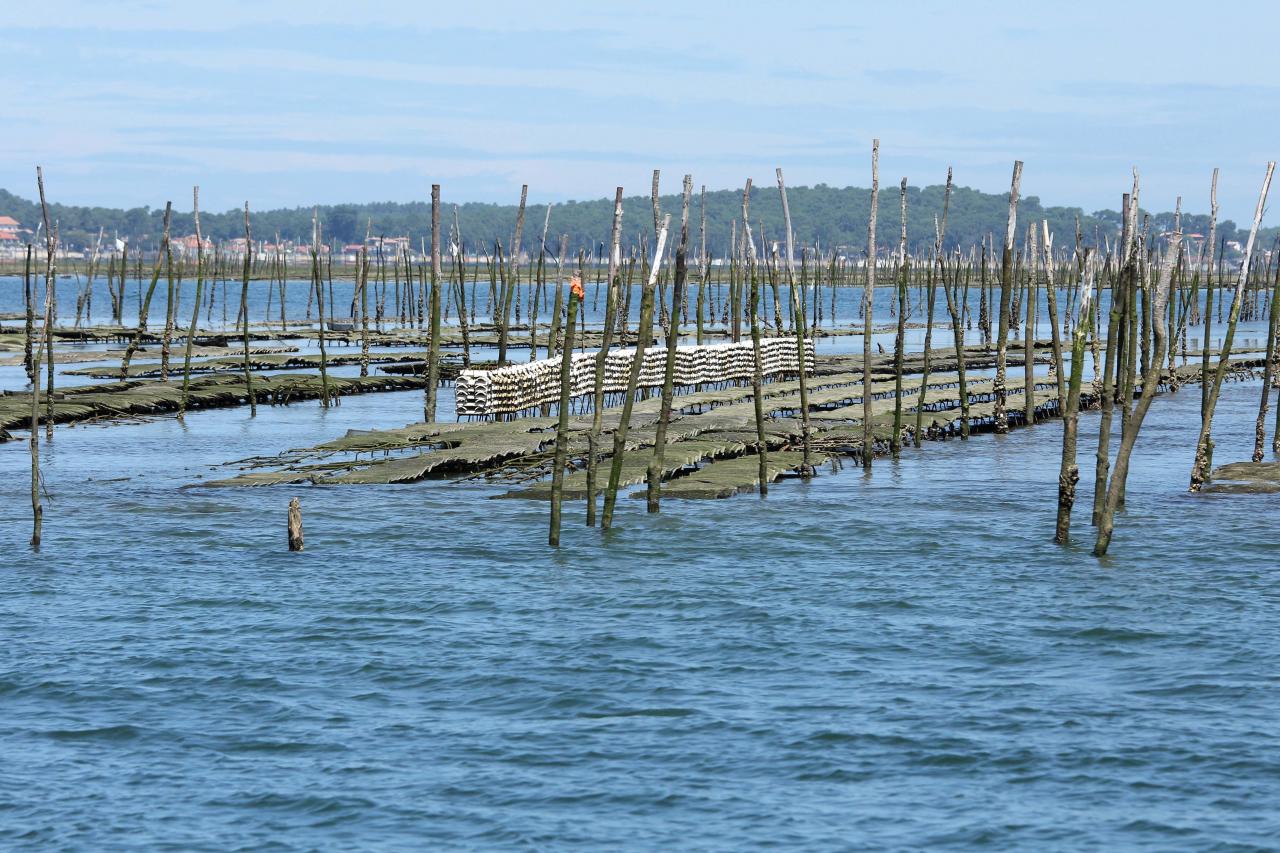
(1150, 382)
(1200, 467)
(562, 422)
(1051, 301)
(170, 313)
(895, 441)
(610, 312)
(433, 350)
(633, 379)
(955, 308)
(1029, 327)
(1268, 371)
(868, 294)
(757, 378)
(510, 280)
(1114, 355)
(1069, 471)
(936, 275)
(51, 250)
(319, 288)
(244, 309)
(145, 303)
(807, 469)
(654, 480)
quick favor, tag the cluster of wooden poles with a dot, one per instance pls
(1152, 304)
(1155, 299)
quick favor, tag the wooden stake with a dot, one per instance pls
(144, 306)
(1069, 471)
(1268, 370)
(562, 424)
(868, 298)
(757, 374)
(511, 280)
(51, 248)
(895, 440)
(1200, 469)
(195, 311)
(295, 525)
(1006, 295)
(433, 347)
(606, 340)
(244, 308)
(656, 462)
(1150, 381)
(937, 274)
(642, 341)
(806, 468)
(955, 307)
(316, 273)
(29, 296)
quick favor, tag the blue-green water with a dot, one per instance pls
(895, 661)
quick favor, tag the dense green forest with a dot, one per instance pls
(825, 215)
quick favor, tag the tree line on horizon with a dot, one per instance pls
(823, 216)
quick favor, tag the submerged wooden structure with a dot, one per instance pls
(710, 443)
(141, 397)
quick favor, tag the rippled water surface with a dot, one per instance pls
(902, 660)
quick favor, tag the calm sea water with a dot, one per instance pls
(896, 661)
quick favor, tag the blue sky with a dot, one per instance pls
(130, 103)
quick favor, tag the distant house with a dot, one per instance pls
(9, 230)
(189, 244)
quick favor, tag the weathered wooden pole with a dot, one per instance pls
(1069, 472)
(170, 313)
(562, 423)
(29, 296)
(145, 304)
(937, 275)
(1268, 370)
(955, 307)
(325, 399)
(1207, 354)
(1051, 297)
(195, 311)
(362, 283)
(1201, 467)
(1006, 294)
(868, 298)
(295, 525)
(757, 372)
(895, 440)
(704, 264)
(50, 273)
(537, 286)
(1150, 381)
(658, 460)
(645, 335)
(1029, 332)
(244, 311)
(433, 346)
(511, 280)
(606, 340)
(797, 311)
(460, 267)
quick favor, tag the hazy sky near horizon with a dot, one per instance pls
(294, 103)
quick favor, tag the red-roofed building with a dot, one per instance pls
(8, 229)
(190, 243)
